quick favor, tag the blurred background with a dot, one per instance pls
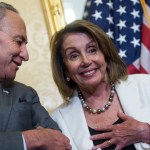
(127, 23)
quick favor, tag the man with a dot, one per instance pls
(24, 122)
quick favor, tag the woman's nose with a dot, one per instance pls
(86, 61)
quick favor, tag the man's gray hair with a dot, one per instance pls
(4, 6)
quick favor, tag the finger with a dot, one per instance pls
(106, 144)
(97, 147)
(101, 136)
(118, 148)
(106, 128)
(66, 139)
(122, 116)
(68, 147)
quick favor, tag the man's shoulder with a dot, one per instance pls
(16, 86)
(19, 85)
(16, 83)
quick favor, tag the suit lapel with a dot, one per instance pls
(5, 107)
(74, 118)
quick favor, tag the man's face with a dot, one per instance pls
(13, 42)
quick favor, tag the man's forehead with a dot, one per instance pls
(13, 24)
(13, 18)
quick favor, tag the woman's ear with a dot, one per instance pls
(67, 77)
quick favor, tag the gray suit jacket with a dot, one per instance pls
(20, 110)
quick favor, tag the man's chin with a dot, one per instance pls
(9, 78)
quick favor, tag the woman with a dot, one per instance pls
(105, 108)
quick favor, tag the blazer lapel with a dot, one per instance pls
(74, 118)
(131, 100)
(5, 107)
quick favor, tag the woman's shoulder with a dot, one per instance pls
(140, 80)
(139, 77)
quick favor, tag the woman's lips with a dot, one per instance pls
(88, 73)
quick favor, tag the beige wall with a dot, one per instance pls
(36, 72)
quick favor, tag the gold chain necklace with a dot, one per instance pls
(100, 110)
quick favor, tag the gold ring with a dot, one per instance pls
(109, 143)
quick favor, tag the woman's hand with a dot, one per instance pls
(129, 132)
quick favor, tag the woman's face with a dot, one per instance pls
(84, 61)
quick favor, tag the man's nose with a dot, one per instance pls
(24, 53)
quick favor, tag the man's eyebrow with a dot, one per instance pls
(24, 39)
